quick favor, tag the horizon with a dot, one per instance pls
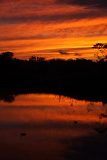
(88, 53)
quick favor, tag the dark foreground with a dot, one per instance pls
(80, 79)
(55, 131)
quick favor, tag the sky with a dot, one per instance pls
(44, 27)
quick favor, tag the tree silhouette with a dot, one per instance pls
(98, 45)
(7, 55)
(101, 48)
(105, 46)
(36, 59)
(32, 59)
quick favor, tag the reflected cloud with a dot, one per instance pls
(42, 120)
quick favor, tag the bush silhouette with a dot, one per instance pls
(7, 55)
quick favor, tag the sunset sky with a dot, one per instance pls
(32, 27)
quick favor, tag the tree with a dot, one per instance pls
(105, 46)
(7, 55)
(32, 59)
(36, 59)
(101, 47)
(98, 45)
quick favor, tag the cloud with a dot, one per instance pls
(86, 3)
(86, 31)
(34, 11)
(63, 52)
(32, 37)
(51, 23)
(50, 18)
(83, 31)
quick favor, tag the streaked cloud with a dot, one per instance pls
(88, 3)
(50, 24)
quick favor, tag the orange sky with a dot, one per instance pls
(29, 26)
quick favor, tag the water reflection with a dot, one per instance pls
(45, 126)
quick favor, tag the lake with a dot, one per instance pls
(52, 127)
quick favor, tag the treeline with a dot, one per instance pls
(80, 78)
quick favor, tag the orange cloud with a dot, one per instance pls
(28, 26)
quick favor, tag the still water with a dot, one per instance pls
(51, 127)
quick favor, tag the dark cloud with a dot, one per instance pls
(87, 3)
(33, 37)
(52, 18)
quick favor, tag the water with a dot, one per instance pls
(44, 127)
